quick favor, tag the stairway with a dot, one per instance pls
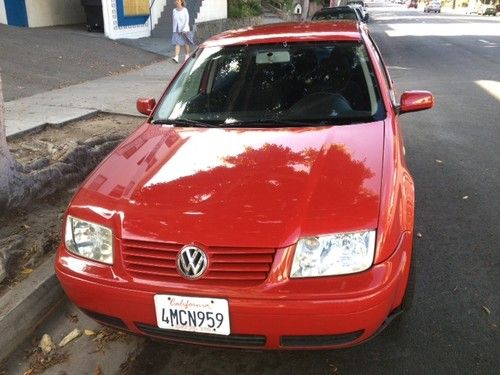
(270, 14)
(163, 29)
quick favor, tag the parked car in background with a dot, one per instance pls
(337, 13)
(264, 203)
(413, 4)
(487, 10)
(433, 6)
(360, 5)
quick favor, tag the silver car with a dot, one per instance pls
(433, 6)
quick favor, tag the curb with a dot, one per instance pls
(26, 305)
(40, 127)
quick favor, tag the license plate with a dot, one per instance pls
(192, 314)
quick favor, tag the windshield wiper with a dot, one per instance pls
(267, 122)
(183, 122)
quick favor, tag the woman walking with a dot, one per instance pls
(181, 34)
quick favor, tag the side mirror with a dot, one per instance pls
(413, 101)
(146, 105)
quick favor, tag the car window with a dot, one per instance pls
(312, 82)
(339, 15)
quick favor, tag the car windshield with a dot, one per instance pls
(287, 84)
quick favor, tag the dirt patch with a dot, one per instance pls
(37, 227)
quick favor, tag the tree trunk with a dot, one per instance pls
(7, 163)
(20, 185)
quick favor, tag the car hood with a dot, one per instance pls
(238, 187)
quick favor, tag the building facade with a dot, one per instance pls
(122, 18)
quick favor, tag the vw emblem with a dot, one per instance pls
(192, 262)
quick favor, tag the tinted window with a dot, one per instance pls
(348, 14)
(313, 82)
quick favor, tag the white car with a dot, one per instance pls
(433, 6)
(359, 6)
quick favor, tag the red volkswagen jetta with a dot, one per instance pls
(264, 203)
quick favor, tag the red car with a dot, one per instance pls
(265, 202)
(413, 4)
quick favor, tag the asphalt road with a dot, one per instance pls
(34, 60)
(453, 153)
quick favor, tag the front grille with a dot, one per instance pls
(203, 338)
(318, 341)
(227, 265)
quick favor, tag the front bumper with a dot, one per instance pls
(293, 315)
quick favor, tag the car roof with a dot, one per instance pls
(290, 32)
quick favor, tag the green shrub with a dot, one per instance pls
(243, 8)
(282, 4)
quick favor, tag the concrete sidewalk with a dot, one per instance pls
(114, 94)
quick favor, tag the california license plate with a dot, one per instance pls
(192, 314)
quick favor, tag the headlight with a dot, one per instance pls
(336, 254)
(89, 240)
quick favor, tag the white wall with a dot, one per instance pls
(113, 31)
(54, 12)
(212, 10)
(3, 13)
(156, 10)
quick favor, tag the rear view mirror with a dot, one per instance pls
(146, 105)
(413, 101)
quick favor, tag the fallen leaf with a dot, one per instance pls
(333, 368)
(439, 161)
(26, 226)
(89, 332)
(46, 344)
(488, 311)
(125, 366)
(73, 318)
(27, 271)
(70, 337)
(39, 362)
(465, 197)
(98, 370)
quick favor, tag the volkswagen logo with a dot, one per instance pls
(192, 262)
